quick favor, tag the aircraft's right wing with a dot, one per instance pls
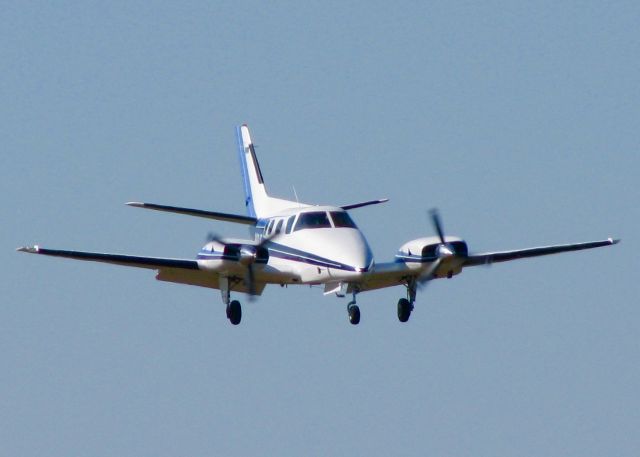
(183, 271)
(153, 263)
(248, 220)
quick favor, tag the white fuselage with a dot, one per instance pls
(309, 245)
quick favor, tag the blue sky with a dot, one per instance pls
(518, 121)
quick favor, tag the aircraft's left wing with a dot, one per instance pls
(389, 274)
(504, 256)
(385, 274)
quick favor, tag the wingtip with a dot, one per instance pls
(614, 241)
(136, 204)
(30, 249)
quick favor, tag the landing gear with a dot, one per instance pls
(405, 305)
(353, 310)
(354, 313)
(404, 309)
(234, 312)
(234, 309)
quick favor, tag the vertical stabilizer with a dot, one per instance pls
(258, 203)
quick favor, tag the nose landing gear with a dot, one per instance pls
(354, 313)
(353, 310)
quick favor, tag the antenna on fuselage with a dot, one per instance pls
(295, 194)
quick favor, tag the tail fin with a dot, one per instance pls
(258, 203)
(254, 189)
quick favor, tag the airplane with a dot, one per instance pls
(295, 243)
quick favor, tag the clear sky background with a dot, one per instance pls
(519, 121)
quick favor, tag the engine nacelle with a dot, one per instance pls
(429, 249)
(239, 252)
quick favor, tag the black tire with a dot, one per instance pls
(354, 314)
(234, 312)
(404, 310)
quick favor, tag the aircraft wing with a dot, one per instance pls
(154, 263)
(504, 256)
(389, 274)
(182, 271)
(385, 274)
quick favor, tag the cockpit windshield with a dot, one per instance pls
(342, 219)
(317, 219)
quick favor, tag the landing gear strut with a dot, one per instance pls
(234, 309)
(405, 305)
(353, 310)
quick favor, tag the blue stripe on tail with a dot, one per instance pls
(248, 198)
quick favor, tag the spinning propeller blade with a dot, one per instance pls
(428, 275)
(435, 219)
(211, 236)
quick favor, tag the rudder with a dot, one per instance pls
(257, 201)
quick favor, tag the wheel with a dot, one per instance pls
(404, 309)
(354, 314)
(234, 312)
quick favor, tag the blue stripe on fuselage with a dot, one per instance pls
(280, 251)
(285, 252)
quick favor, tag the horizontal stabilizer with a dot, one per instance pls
(238, 219)
(361, 204)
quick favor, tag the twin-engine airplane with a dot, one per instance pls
(295, 243)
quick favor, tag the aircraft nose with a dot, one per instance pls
(360, 257)
(366, 261)
(348, 248)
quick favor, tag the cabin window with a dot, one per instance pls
(317, 219)
(270, 227)
(342, 219)
(279, 226)
(290, 224)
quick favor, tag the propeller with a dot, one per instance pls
(247, 256)
(428, 275)
(435, 219)
(212, 236)
(443, 251)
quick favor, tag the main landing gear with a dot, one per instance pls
(234, 309)
(234, 312)
(405, 305)
(404, 309)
